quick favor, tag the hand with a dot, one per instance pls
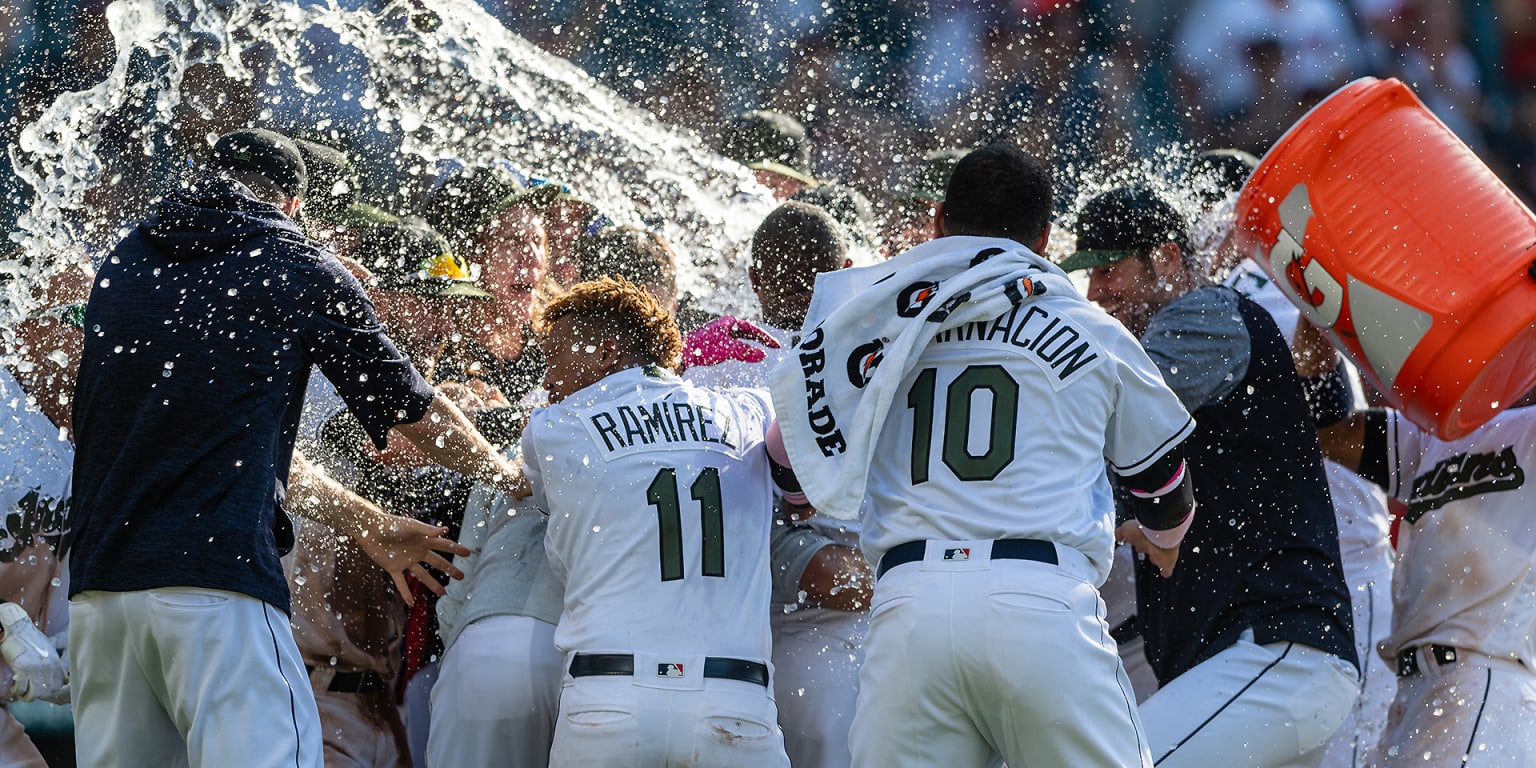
(401, 545)
(37, 671)
(1313, 354)
(726, 339)
(464, 397)
(1130, 532)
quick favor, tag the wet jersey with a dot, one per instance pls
(1002, 429)
(35, 462)
(660, 504)
(1466, 573)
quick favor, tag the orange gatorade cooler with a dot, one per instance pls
(1388, 232)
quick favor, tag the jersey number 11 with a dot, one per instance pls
(662, 494)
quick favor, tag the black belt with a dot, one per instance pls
(590, 664)
(1002, 549)
(1408, 658)
(360, 681)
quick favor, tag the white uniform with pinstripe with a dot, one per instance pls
(970, 656)
(660, 504)
(1464, 595)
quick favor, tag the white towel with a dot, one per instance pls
(863, 333)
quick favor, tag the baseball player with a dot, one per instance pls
(1360, 507)
(1463, 634)
(179, 483)
(1252, 637)
(930, 395)
(347, 621)
(34, 519)
(822, 583)
(660, 505)
(498, 689)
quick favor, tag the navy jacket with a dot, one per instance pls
(1263, 552)
(201, 330)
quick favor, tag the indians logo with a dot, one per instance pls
(1462, 476)
(911, 300)
(861, 364)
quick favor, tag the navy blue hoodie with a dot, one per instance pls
(202, 327)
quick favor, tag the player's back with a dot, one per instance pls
(660, 506)
(1002, 428)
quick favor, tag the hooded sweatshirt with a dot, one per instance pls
(201, 330)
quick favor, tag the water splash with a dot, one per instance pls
(446, 83)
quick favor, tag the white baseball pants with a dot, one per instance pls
(816, 658)
(641, 721)
(1354, 743)
(1479, 712)
(188, 676)
(1255, 706)
(970, 658)
(497, 695)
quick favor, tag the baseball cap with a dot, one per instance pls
(1218, 172)
(764, 140)
(927, 178)
(267, 153)
(413, 258)
(333, 182)
(469, 198)
(847, 206)
(1121, 223)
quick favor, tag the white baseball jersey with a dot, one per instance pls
(1466, 572)
(735, 373)
(1002, 429)
(36, 462)
(660, 503)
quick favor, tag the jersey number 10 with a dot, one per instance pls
(662, 494)
(958, 401)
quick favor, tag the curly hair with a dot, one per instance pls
(627, 311)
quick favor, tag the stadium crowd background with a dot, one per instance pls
(877, 82)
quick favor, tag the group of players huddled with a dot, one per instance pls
(869, 526)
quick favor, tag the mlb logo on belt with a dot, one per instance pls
(958, 553)
(669, 670)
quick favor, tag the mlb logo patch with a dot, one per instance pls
(958, 553)
(669, 669)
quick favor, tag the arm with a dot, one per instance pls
(398, 544)
(1340, 429)
(1200, 345)
(1163, 502)
(838, 577)
(447, 438)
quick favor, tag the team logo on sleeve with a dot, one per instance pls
(911, 300)
(669, 669)
(1462, 476)
(862, 363)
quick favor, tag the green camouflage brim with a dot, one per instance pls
(1095, 258)
(784, 170)
(438, 286)
(363, 215)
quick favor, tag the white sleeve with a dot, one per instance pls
(1148, 419)
(1406, 444)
